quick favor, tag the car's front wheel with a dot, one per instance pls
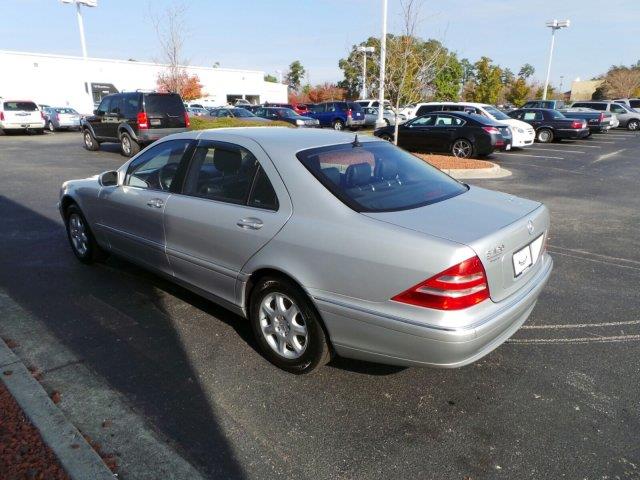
(128, 146)
(633, 125)
(90, 142)
(287, 327)
(83, 244)
(544, 135)
(462, 148)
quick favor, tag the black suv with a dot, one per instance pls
(134, 119)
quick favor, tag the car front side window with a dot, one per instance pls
(157, 167)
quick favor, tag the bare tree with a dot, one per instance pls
(622, 82)
(411, 64)
(170, 26)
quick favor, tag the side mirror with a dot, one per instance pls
(109, 179)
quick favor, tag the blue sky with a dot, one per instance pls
(269, 34)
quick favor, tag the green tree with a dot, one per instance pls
(550, 92)
(519, 92)
(526, 71)
(352, 69)
(468, 70)
(270, 78)
(295, 75)
(448, 78)
(488, 82)
(507, 76)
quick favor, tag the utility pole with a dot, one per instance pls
(364, 50)
(553, 25)
(383, 57)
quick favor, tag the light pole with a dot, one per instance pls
(364, 50)
(553, 25)
(383, 57)
(83, 43)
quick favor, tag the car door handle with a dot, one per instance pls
(155, 203)
(250, 223)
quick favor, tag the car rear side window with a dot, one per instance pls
(221, 172)
(20, 107)
(262, 193)
(160, 103)
(378, 177)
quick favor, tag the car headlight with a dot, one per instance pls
(520, 130)
(299, 122)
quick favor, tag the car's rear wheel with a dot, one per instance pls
(128, 146)
(90, 142)
(287, 327)
(83, 244)
(633, 125)
(462, 148)
(338, 125)
(544, 135)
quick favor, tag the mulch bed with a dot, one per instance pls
(448, 162)
(23, 454)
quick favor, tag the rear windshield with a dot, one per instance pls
(378, 176)
(158, 103)
(556, 115)
(20, 106)
(66, 110)
(634, 103)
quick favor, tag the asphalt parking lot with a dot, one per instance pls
(170, 370)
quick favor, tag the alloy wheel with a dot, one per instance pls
(544, 136)
(283, 326)
(462, 149)
(126, 145)
(88, 141)
(78, 233)
(634, 125)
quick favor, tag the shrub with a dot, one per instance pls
(203, 123)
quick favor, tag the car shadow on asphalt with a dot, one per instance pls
(118, 325)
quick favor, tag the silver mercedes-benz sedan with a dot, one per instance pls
(328, 243)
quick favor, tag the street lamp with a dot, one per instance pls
(383, 57)
(553, 25)
(364, 50)
(83, 43)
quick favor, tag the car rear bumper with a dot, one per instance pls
(354, 123)
(21, 125)
(572, 133)
(148, 136)
(365, 335)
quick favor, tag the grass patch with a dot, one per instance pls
(203, 123)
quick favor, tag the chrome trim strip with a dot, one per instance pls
(534, 283)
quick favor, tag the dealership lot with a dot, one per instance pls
(559, 399)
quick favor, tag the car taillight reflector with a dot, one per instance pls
(143, 121)
(187, 120)
(576, 124)
(1, 115)
(601, 117)
(457, 287)
(491, 130)
(348, 112)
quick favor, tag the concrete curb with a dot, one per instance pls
(75, 455)
(493, 172)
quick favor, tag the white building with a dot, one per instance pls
(60, 80)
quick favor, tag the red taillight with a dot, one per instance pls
(493, 130)
(348, 112)
(187, 121)
(2, 116)
(576, 124)
(458, 287)
(601, 117)
(143, 121)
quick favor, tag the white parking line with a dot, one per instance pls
(609, 155)
(580, 145)
(578, 325)
(512, 154)
(553, 150)
(617, 338)
(601, 141)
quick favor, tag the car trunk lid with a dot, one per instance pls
(495, 225)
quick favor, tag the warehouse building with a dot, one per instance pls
(61, 80)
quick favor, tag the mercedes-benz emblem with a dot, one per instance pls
(530, 227)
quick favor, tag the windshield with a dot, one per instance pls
(161, 103)
(20, 106)
(378, 176)
(495, 113)
(556, 115)
(242, 113)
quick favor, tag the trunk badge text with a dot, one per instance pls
(495, 252)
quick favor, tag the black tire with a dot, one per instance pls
(90, 142)
(544, 135)
(316, 347)
(462, 148)
(93, 252)
(386, 136)
(337, 125)
(633, 125)
(39, 131)
(128, 146)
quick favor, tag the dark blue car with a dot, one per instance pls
(337, 115)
